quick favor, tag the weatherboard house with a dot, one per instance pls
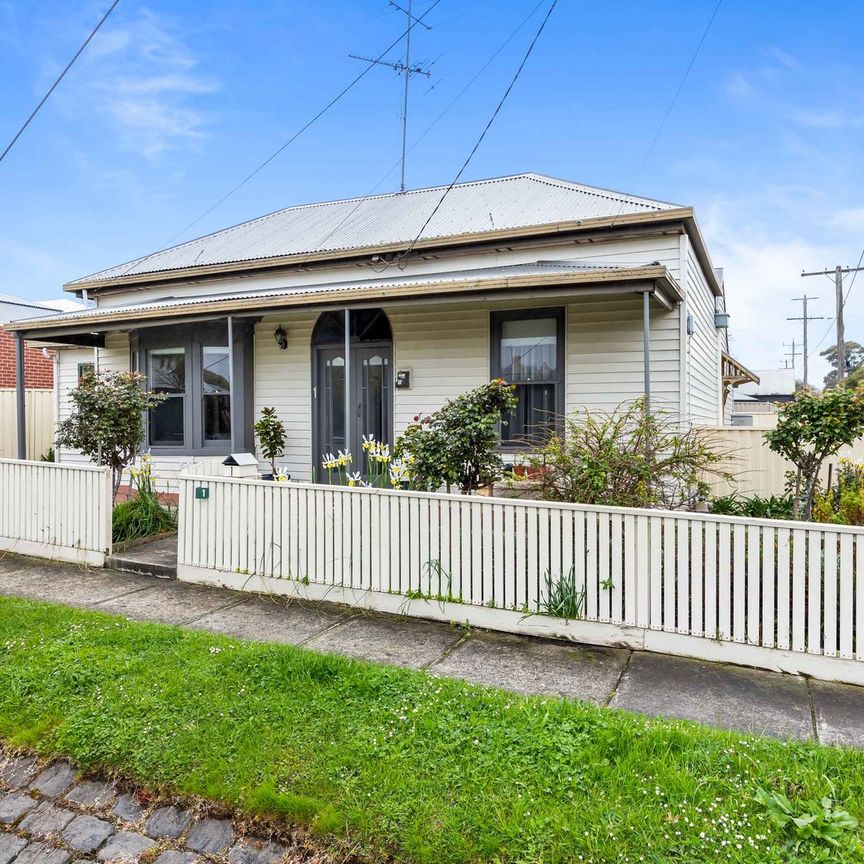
(352, 317)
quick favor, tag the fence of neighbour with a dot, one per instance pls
(56, 511)
(756, 469)
(768, 593)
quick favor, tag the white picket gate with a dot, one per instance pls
(56, 511)
(783, 595)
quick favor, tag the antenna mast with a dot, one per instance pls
(405, 69)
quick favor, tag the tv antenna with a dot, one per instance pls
(405, 69)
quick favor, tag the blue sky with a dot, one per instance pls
(174, 102)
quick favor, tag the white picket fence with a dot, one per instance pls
(768, 593)
(56, 511)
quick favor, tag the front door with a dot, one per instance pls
(371, 401)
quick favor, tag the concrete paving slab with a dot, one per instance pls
(70, 585)
(716, 694)
(526, 665)
(263, 619)
(170, 602)
(10, 563)
(839, 713)
(387, 640)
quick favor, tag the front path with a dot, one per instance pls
(719, 695)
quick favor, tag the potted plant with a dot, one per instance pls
(270, 434)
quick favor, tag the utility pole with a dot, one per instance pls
(793, 353)
(405, 69)
(838, 272)
(804, 317)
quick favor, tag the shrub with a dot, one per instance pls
(458, 444)
(843, 503)
(143, 515)
(770, 507)
(629, 457)
(811, 428)
(107, 419)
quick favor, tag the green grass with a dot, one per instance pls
(398, 762)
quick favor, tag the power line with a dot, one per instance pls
(805, 319)
(434, 123)
(854, 274)
(479, 141)
(60, 77)
(675, 96)
(300, 131)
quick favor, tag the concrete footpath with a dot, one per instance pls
(718, 695)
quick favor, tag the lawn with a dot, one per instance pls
(401, 763)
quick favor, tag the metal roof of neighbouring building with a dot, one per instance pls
(472, 208)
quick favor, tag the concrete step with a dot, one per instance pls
(153, 558)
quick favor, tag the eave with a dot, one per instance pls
(654, 278)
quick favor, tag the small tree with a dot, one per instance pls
(107, 419)
(458, 444)
(271, 435)
(810, 429)
(628, 457)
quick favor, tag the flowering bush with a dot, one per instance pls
(143, 515)
(458, 444)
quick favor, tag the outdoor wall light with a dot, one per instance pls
(281, 338)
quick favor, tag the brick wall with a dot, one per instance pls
(38, 370)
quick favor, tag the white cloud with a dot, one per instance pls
(825, 118)
(141, 75)
(763, 253)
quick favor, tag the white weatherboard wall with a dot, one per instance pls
(702, 349)
(781, 595)
(56, 511)
(446, 347)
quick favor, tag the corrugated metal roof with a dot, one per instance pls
(519, 201)
(316, 291)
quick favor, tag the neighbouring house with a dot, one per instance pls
(756, 402)
(352, 317)
(38, 383)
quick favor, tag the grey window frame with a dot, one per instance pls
(496, 319)
(193, 338)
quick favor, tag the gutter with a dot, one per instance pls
(657, 274)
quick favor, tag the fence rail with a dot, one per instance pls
(789, 587)
(55, 511)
